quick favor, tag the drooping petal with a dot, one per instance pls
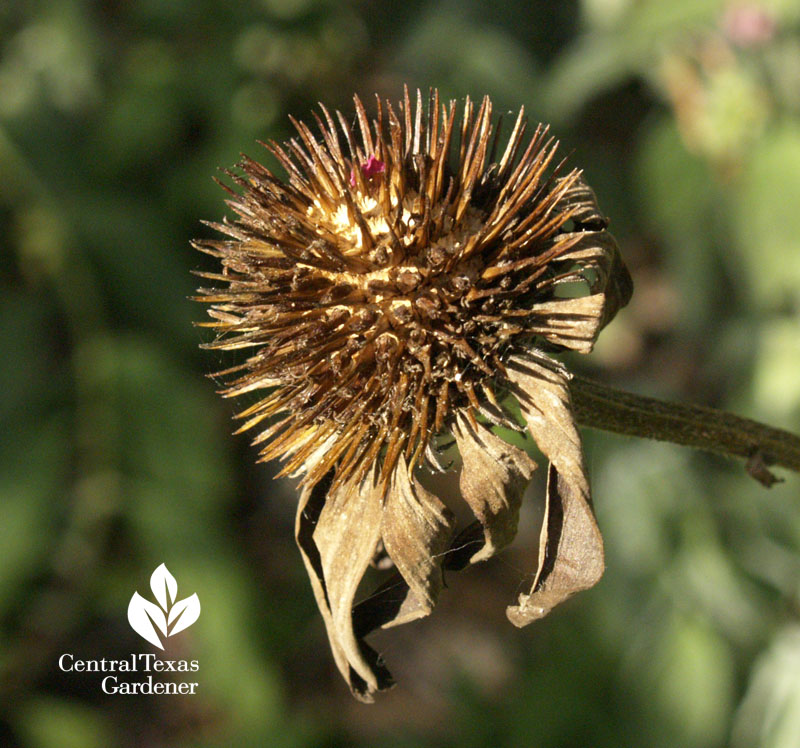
(579, 198)
(416, 529)
(573, 323)
(337, 532)
(596, 250)
(493, 478)
(570, 546)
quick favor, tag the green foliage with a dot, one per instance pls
(116, 454)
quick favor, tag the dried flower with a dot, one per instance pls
(398, 288)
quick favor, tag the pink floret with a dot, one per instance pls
(372, 167)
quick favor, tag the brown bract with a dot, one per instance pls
(399, 286)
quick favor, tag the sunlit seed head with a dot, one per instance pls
(379, 289)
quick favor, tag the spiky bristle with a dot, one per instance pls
(380, 287)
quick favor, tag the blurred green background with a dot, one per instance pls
(116, 454)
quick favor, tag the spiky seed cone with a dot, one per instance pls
(397, 287)
(380, 288)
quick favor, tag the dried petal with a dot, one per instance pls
(570, 546)
(597, 249)
(337, 532)
(580, 200)
(573, 323)
(416, 531)
(493, 478)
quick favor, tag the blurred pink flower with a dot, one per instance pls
(748, 24)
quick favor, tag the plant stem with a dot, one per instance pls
(601, 407)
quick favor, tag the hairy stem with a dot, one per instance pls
(601, 407)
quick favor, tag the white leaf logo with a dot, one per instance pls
(164, 586)
(168, 617)
(184, 614)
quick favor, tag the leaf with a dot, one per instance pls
(767, 231)
(142, 614)
(164, 587)
(769, 714)
(570, 546)
(184, 613)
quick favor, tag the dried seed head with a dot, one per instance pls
(381, 287)
(385, 293)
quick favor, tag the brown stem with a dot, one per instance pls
(602, 407)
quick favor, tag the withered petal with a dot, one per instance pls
(416, 529)
(570, 546)
(573, 323)
(579, 198)
(493, 478)
(391, 604)
(337, 532)
(619, 287)
(597, 249)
